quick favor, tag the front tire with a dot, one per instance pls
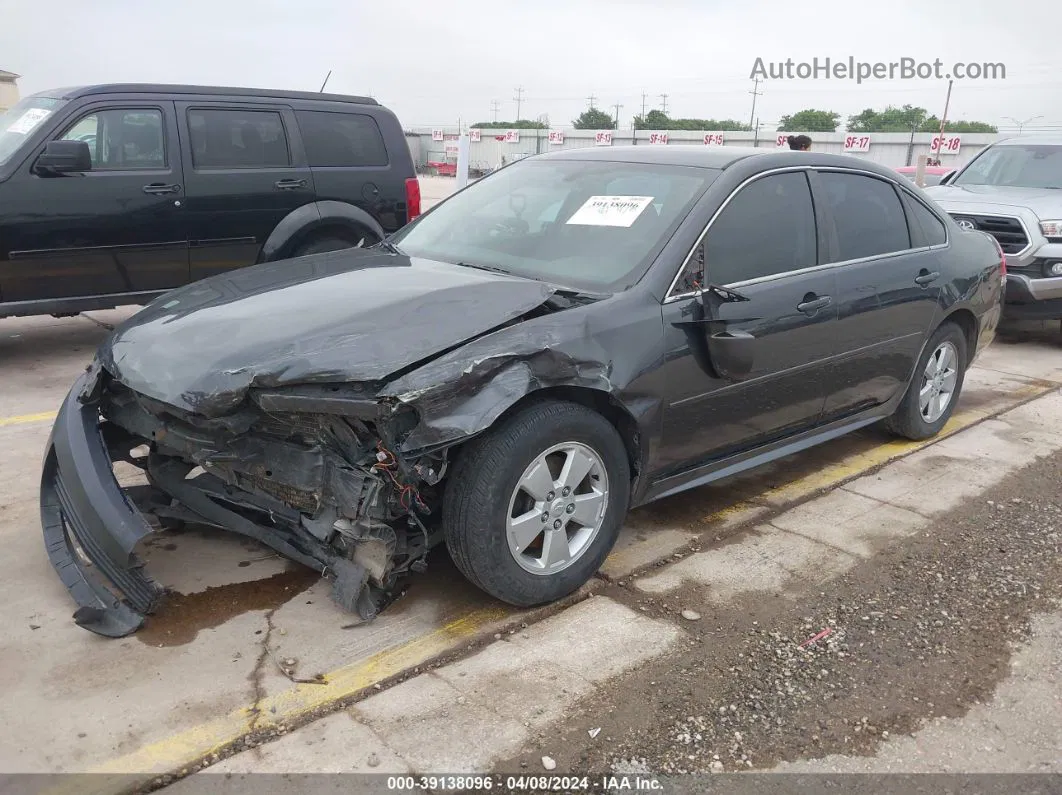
(935, 388)
(534, 506)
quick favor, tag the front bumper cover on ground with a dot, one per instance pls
(90, 526)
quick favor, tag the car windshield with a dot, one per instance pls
(1016, 165)
(590, 225)
(18, 122)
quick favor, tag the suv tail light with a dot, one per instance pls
(412, 198)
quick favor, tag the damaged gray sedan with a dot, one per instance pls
(577, 334)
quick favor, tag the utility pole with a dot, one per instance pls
(644, 97)
(756, 134)
(944, 118)
(755, 93)
(519, 99)
(663, 103)
(591, 99)
(617, 107)
(495, 106)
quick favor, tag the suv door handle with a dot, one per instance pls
(158, 187)
(926, 278)
(289, 184)
(814, 305)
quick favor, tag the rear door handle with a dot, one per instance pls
(926, 278)
(814, 305)
(158, 187)
(289, 184)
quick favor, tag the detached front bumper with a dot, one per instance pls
(90, 526)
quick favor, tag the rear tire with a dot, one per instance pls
(492, 503)
(937, 380)
(320, 245)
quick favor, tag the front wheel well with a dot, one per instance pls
(595, 400)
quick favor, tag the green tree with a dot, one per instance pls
(519, 124)
(810, 120)
(657, 120)
(932, 124)
(594, 119)
(892, 119)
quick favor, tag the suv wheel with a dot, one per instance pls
(934, 390)
(320, 245)
(534, 506)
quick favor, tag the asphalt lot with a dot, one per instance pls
(213, 666)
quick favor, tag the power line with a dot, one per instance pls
(755, 93)
(519, 98)
(591, 100)
(495, 106)
(663, 103)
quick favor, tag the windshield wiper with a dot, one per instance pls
(387, 245)
(491, 268)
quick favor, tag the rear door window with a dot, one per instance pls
(341, 140)
(236, 138)
(867, 215)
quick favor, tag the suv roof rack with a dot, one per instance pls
(159, 88)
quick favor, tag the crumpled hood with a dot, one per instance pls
(1045, 203)
(345, 316)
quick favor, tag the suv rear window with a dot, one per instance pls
(341, 140)
(237, 139)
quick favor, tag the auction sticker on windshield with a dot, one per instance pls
(610, 210)
(28, 120)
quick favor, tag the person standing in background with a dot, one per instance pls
(800, 143)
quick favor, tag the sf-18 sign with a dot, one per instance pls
(946, 144)
(556, 137)
(658, 138)
(603, 138)
(713, 139)
(857, 143)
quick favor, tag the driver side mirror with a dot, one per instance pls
(63, 157)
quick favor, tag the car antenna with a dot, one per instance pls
(321, 91)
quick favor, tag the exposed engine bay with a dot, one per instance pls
(325, 490)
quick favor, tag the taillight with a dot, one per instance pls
(1002, 258)
(412, 198)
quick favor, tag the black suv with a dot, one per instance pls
(114, 194)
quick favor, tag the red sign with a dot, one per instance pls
(603, 138)
(782, 141)
(713, 139)
(857, 143)
(658, 138)
(556, 137)
(946, 144)
(474, 134)
(512, 137)
(436, 135)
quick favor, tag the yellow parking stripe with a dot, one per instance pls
(178, 753)
(23, 419)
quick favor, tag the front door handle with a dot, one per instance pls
(158, 187)
(924, 278)
(289, 184)
(810, 307)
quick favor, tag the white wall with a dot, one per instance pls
(8, 94)
(889, 149)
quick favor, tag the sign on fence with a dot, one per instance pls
(603, 138)
(658, 138)
(512, 136)
(436, 135)
(945, 144)
(857, 143)
(556, 137)
(713, 139)
(474, 134)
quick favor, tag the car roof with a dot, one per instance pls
(1031, 140)
(161, 88)
(719, 157)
